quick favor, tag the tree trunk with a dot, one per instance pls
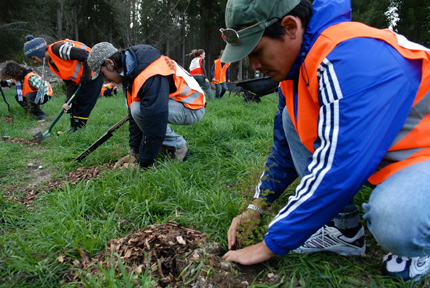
(60, 19)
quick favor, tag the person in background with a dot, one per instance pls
(353, 110)
(198, 71)
(68, 60)
(27, 85)
(109, 89)
(159, 91)
(220, 76)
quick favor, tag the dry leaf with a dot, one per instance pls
(181, 240)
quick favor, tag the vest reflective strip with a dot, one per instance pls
(78, 65)
(190, 98)
(77, 68)
(417, 113)
(186, 90)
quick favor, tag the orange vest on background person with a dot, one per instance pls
(220, 73)
(105, 87)
(306, 127)
(188, 91)
(27, 88)
(68, 69)
(196, 66)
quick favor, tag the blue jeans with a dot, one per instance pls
(398, 210)
(220, 87)
(206, 87)
(178, 115)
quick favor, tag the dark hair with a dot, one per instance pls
(220, 53)
(117, 60)
(13, 70)
(196, 52)
(303, 11)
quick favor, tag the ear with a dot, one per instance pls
(109, 65)
(291, 24)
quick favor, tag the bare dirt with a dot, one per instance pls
(42, 181)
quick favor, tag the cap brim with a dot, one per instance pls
(247, 43)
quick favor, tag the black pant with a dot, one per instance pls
(86, 98)
(31, 107)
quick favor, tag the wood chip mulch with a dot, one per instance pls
(156, 248)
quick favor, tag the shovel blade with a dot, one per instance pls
(46, 135)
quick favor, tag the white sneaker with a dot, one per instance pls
(405, 268)
(329, 238)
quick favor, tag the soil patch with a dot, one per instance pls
(44, 184)
(173, 255)
(31, 142)
(7, 119)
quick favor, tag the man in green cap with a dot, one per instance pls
(353, 110)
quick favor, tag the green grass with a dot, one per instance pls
(228, 150)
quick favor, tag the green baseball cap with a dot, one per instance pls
(99, 53)
(242, 13)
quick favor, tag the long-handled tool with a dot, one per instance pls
(102, 139)
(48, 132)
(4, 98)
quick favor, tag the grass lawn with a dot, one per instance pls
(228, 147)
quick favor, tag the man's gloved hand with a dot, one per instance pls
(128, 161)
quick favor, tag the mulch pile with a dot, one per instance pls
(173, 255)
(86, 173)
(156, 248)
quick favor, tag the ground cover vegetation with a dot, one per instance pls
(69, 224)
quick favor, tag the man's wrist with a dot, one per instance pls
(255, 208)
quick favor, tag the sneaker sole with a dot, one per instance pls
(340, 251)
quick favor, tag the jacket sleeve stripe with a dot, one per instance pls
(328, 128)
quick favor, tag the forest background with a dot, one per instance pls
(175, 27)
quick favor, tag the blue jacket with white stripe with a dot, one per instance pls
(371, 109)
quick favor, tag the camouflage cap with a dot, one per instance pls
(99, 53)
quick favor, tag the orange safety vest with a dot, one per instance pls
(409, 147)
(196, 66)
(188, 90)
(105, 87)
(220, 73)
(68, 69)
(27, 88)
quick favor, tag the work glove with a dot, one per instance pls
(128, 161)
